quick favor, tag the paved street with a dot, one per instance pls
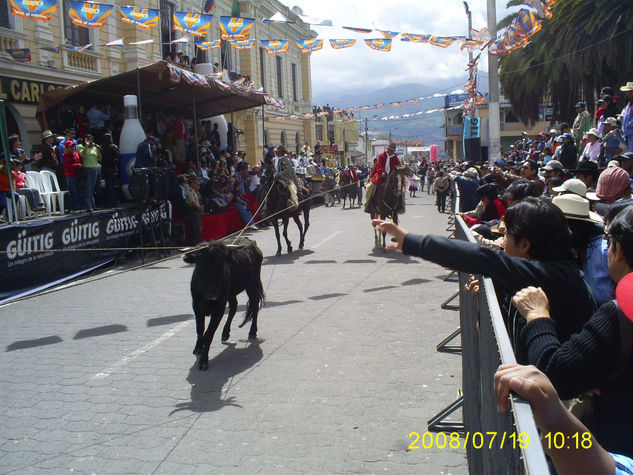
(99, 378)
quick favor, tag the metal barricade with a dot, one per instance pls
(485, 345)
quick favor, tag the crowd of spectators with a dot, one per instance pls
(330, 112)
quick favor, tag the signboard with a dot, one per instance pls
(329, 148)
(458, 99)
(471, 127)
(24, 91)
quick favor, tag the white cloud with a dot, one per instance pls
(360, 67)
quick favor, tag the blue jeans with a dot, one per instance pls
(88, 198)
(74, 187)
(245, 213)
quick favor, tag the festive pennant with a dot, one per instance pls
(205, 45)
(379, 44)
(340, 44)
(79, 49)
(242, 44)
(51, 49)
(234, 28)
(469, 44)
(208, 5)
(443, 41)
(182, 40)
(34, 9)
(358, 30)
(542, 9)
(144, 42)
(118, 42)
(21, 55)
(275, 46)
(526, 24)
(415, 38)
(89, 14)
(307, 46)
(144, 18)
(389, 34)
(278, 18)
(196, 24)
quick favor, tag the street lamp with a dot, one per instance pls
(470, 27)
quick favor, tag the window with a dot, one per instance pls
(166, 30)
(318, 129)
(280, 82)
(294, 82)
(5, 17)
(262, 67)
(75, 35)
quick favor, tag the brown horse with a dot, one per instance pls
(349, 189)
(388, 201)
(275, 207)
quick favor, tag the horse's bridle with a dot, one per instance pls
(397, 193)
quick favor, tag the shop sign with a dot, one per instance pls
(24, 91)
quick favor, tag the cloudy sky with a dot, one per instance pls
(362, 67)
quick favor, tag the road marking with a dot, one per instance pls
(326, 240)
(135, 354)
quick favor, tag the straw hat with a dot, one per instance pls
(46, 134)
(576, 207)
(627, 87)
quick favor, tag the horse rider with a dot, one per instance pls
(286, 175)
(351, 174)
(386, 162)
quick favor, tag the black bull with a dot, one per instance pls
(222, 272)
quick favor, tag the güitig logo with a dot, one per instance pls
(32, 5)
(80, 232)
(90, 9)
(24, 244)
(122, 224)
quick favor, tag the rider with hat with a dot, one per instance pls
(386, 162)
(286, 175)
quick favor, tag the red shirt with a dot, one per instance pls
(377, 173)
(351, 174)
(180, 129)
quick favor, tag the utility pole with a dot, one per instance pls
(470, 28)
(366, 143)
(494, 151)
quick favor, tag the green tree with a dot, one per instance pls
(586, 45)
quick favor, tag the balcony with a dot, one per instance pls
(85, 61)
(9, 39)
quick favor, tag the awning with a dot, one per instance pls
(163, 86)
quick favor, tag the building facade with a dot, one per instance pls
(285, 76)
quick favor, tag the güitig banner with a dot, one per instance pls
(189, 23)
(275, 46)
(242, 44)
(307, 46)
(205, 45)
(340, 44)
(144, 18)
(379, 44)
(235, 28)
(40, 254)
(34, 9)
(411, 38)
(89, 14)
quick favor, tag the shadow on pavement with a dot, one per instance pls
(326, 296)
(21, 345)
(384, 287)
(415, 281)
(154, 322)
(100, 331)
(270, 303)
(287, 258)
(323, 261)
(393, 256)
(206, 386)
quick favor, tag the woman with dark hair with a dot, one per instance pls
(598, 357)
(518, 191)
(492, 209)
(537, 250)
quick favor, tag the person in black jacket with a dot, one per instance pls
(537, 250)
(594, 358)
(568, 153)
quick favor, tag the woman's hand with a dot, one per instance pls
(532, 303)
(394, 230)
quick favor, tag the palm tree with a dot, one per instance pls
(586, 45)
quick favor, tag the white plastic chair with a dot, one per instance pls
(23, 210)
(34, 180)
(51, 178)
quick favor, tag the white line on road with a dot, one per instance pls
(326, 239)
(135, 354)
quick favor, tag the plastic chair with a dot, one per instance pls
(34, 180)
(23, 209)
(50, 177)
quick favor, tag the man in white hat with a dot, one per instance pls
(47, 159)
(386, 162)
(613, 142)
(627, 114)
(593, 147)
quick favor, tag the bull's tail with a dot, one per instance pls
(254, 304)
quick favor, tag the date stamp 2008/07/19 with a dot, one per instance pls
(477, 440)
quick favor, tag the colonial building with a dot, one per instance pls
(285, 76)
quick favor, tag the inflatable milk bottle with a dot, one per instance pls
(132, 134)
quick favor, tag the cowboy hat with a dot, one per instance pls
(627, 87)
(576, 207)
(391, 147)
(46, 134)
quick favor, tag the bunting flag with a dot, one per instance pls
(358, 30)
(379, 44)
(242, 44)
(415, 38)
(278, 18)
(79, 49)
(34, 9)
(21, 55)
(182, 40)
(234, 28)
(307, 46)
(443, 41)
(51, 49)
(144, 42)
(526, 24)
(205, 45)
(340, 44)
(208, 5)
(542, 9)
(389, 34)
(270, 100)
(196, 24)
(469, 44)
(144, 18)
(89, 14)
(275, 46)
(118, 42)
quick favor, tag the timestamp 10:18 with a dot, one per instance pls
(575, 441)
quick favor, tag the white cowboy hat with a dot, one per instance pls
(627, 87)
(576, 207)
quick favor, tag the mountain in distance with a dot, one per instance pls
(427, 127)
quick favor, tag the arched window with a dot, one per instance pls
(283, 137)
